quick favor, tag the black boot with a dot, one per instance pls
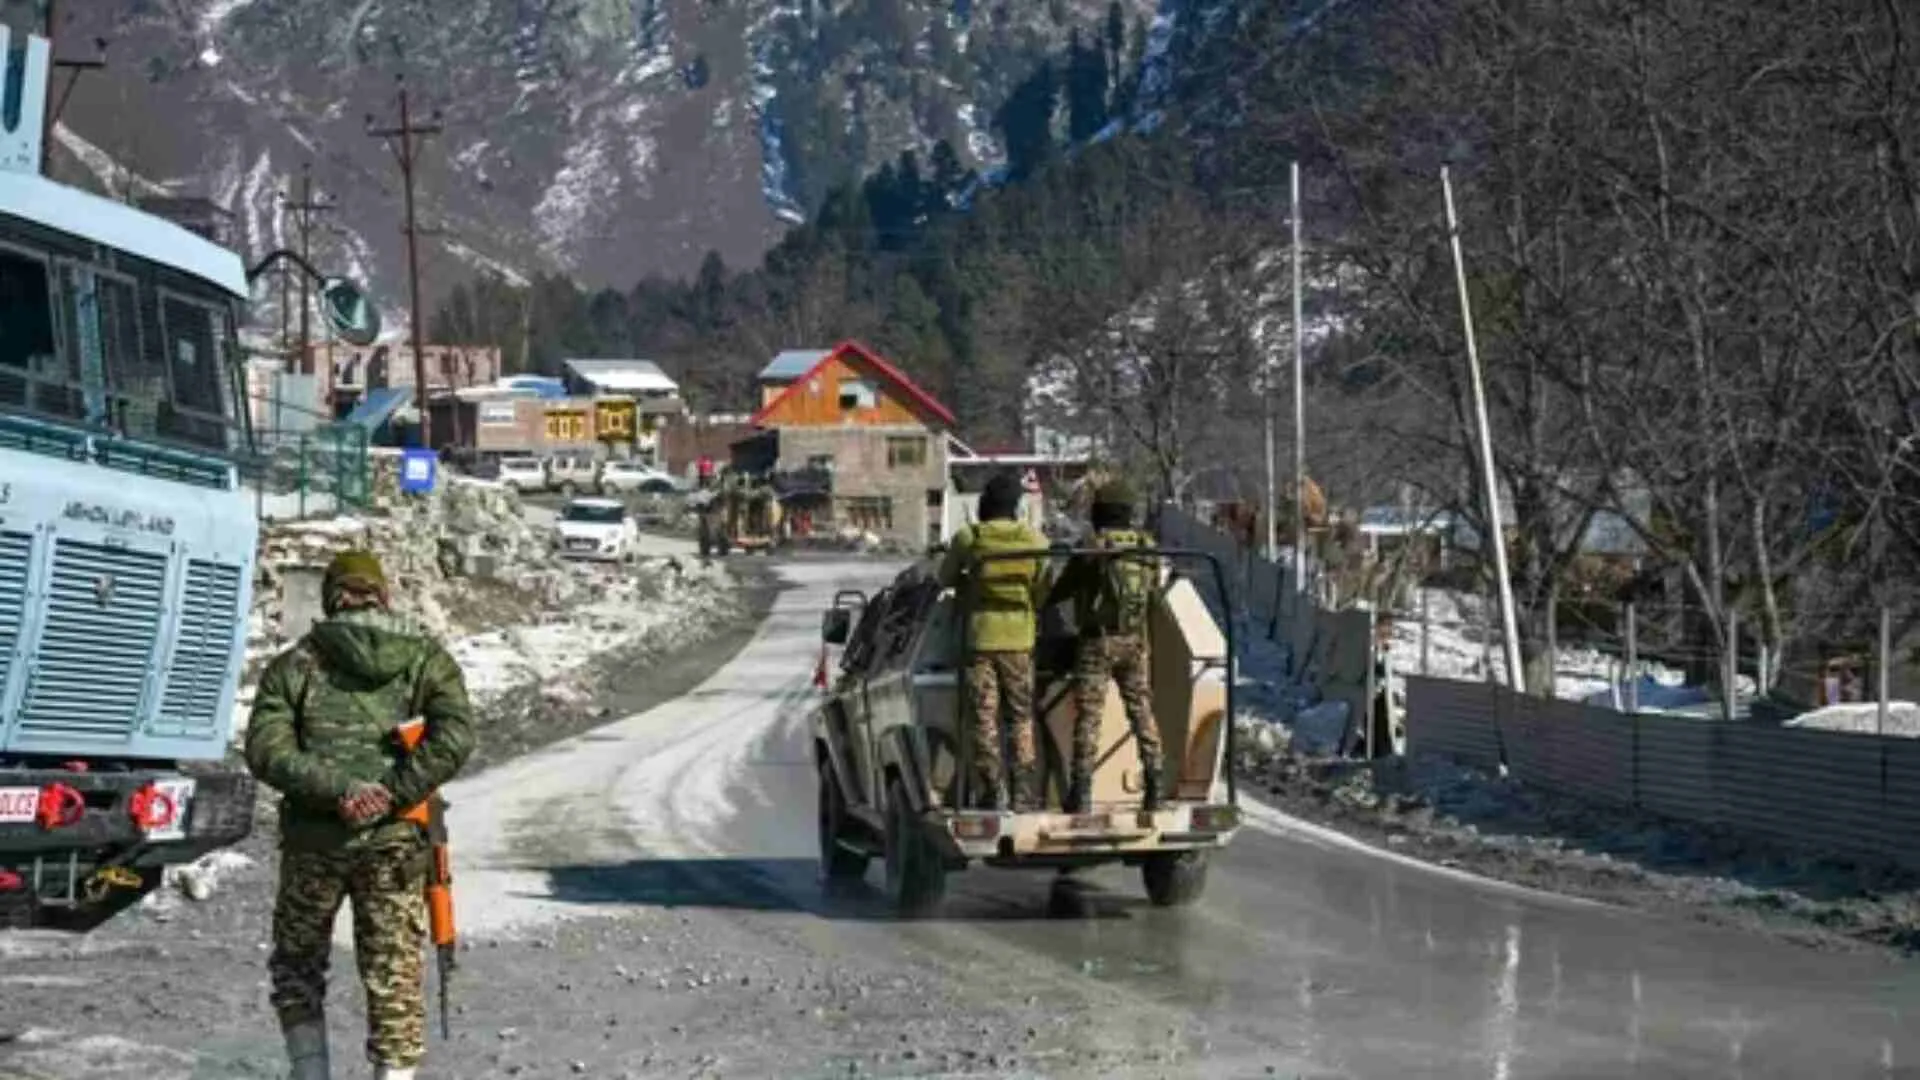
(1150, 789)
(986, 792)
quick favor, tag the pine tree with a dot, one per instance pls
(1086, 90)
(1026, 122)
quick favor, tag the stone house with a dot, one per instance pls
(852, 443)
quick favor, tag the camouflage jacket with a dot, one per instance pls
(1002, 594)
(324, 715)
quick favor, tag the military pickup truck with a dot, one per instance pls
(893, 765)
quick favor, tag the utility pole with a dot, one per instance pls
(1516, 674)
(303, 210)
(73, 68)
(404, 140)
(1299, 430)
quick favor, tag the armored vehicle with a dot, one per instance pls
(894, 765)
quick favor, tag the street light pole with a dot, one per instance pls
(304, 209)
(1299, 427)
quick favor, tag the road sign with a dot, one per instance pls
(418, 468)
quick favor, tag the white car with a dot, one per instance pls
(634, 476)
(523, 474)
(596, 529)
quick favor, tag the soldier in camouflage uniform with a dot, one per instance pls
(1001, 595)
(1112, 599)
(322, 734)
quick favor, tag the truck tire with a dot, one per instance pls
(916, 879)
(1175, 878)
(837, 862)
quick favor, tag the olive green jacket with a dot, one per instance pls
(1002, 595)
(324, 718)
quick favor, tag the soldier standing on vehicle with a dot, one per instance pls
(1001, 596)
(323, 734)
(1112, 598)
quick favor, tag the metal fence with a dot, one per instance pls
(1824, 791)
(309, 468)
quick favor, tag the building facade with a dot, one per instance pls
(876, 441)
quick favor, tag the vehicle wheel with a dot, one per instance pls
(836, 861)
(1175, 878)
(916, 881)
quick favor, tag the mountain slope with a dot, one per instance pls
(606, 139)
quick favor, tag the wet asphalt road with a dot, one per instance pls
(641, 901)
(1306, 956)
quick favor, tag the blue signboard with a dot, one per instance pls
(417, 470)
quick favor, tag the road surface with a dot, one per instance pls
(641, 901)
(1306, 955)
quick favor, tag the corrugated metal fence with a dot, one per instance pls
(1823, 791)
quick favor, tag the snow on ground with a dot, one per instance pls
(1457, 816)
(1903, 719)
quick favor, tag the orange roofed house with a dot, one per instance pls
(852, 443)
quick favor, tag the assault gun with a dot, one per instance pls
(431, 815)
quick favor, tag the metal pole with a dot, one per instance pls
(1881, 676)
(1301, 608)
(1733, 661)
(1273, 482)
(1516, 676)
(1633, 660)
(1426, 630)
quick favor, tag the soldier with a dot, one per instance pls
(1112, 598)
(322, 734)
(1001, 594)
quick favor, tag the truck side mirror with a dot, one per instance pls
(836, 626)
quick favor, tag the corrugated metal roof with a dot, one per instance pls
(642, 375)
(792, 364)
(379, 406)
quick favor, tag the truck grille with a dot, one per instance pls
(15, 549)
(90, 670)
(202, 650)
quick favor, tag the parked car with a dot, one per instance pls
(595, 528)
(636, 477)
(524, 474)
(574, 472)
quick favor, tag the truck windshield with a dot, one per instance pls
(588, 514)
(124, 348)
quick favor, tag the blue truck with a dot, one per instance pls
(127, 537)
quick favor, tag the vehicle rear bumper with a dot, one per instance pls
(219, 812)
(63, 876)
(1105, 833)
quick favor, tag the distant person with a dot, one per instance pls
(1112, 598)
(323, 734)
(1001, 596)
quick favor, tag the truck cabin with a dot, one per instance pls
(104, 341)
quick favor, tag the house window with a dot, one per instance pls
(856, 394)
(906, 451)
(870, 514)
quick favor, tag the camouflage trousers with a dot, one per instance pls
(997, 681)
(1125, 659)
(385, 885)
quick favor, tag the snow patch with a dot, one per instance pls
(564, 213)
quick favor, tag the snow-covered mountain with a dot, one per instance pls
(607, 139)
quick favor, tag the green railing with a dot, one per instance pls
(310, 464)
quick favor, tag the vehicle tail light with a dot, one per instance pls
(152, 808)
(11, 882)
(60, 806)
(976, 828)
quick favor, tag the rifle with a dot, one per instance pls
(431, 815)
